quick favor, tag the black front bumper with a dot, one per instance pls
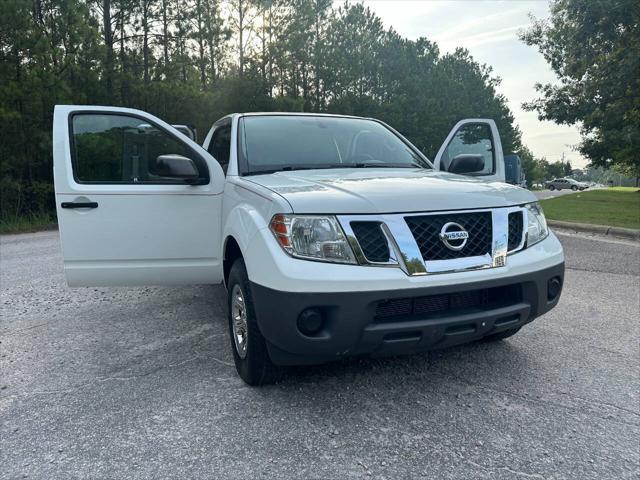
(399, 321)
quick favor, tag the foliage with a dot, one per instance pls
(539, 170)
(603, 176)
(193, 61)
(594, 49)
(27, 223)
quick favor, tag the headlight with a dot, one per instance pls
(537, 229)
(312, 237)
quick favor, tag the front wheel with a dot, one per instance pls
(574, 188)
(249, 347)
(551, 188)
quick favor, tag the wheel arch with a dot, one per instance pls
(246, 218)
(231, 252)
(242, 224)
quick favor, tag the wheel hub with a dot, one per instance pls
(239, 321)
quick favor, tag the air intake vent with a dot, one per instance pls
(515, 230)
(447, 304)
(372, 241)
(426, 230)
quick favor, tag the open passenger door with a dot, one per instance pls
(138, 203)
(473, 148)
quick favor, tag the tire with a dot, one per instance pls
(501, 335)
(551, 188)
(574, 188)
(250, 356)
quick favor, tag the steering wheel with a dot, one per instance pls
(364, 158)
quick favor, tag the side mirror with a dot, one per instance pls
(176, 166)
(512, 169)
(189, 130)
(466, 163)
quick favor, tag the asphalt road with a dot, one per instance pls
(139, 383)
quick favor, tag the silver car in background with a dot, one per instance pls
(566, 183)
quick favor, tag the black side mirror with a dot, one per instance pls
(189, 130)
(466, 163)
(176, 166)
(512, 169)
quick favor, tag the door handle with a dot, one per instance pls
(79, 204)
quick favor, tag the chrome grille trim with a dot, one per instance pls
(406, 255)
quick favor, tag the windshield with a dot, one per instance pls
(279, 142)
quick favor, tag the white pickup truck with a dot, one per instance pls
(333, 235)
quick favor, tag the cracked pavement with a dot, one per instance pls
(139, 383)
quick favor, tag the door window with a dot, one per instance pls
(472, 139)
(117, 148)
(220, 146)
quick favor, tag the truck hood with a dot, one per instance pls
(387, 190)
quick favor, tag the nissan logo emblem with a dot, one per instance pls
(454, 236)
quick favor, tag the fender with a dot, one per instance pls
(248, 208)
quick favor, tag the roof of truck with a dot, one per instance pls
(307, 114)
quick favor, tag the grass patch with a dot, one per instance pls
(623, 189)
(30, 223)
(614, 207)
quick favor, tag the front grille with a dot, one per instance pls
(448, 303)
(515, 230)
(426, 231)
(372, 241)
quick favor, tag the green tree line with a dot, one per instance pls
(539, 170)
(192, 61)
(593, 47)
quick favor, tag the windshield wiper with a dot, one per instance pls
(291, 168)
(325, 166)
(381, 165)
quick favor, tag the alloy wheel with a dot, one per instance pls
(239, 321)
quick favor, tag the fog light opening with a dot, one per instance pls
(553, 288)
(310, 321)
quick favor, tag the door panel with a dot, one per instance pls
(220, 145)
(476, 137)
(121, 221)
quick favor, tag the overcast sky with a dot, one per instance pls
(488, 29)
